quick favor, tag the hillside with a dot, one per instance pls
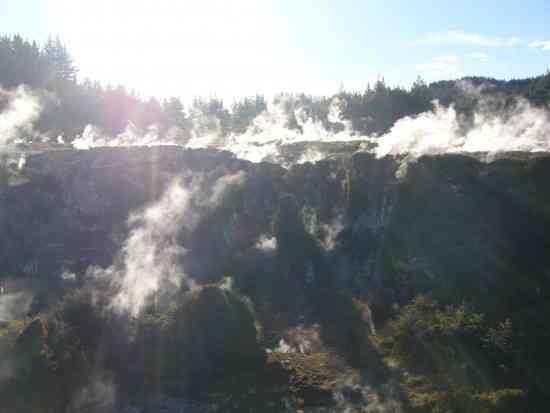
(161, 278)
(378, 249)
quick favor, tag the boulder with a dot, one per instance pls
(212, 332)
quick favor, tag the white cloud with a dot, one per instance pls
(457, 37)
(482, 57)
(540, 44)
(442, 67)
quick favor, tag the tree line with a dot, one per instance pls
(70, 103)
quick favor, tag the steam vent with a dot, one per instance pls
(268, 287)
(378, 247)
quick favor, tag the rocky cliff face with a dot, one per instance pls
(459, 228)
(73, 210)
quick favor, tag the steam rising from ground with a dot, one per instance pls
(150, 261)
(522, 128)
(151, 256)
(132, 136)
(270, 132)
(326, 233)
(14, 305)
(21, 110)
(224, 184)
(301, 339)
(265, 243)
(263, 140)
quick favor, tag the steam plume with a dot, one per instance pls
(151, 259)
(93, 137)
(263, 140)
(14, 305)
(270, 132)
(224, 184)
(265, 243)
(151, 256)
(21, 111)
(326, 233)
(523, 128)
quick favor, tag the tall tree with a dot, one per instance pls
(60, 65)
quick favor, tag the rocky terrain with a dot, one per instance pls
(350, 284)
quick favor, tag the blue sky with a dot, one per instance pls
(234, 48)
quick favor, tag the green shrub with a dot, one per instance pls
(444, 357)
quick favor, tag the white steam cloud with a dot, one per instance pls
(19, 109)
(267, 244)
(331, 231)
(325, 232)
(268, 134)
(150, 261)
(301, 339)
(524, 128)
(93, 137)
(224, 184)
(14, 305)
(151, 256)
(22, 109)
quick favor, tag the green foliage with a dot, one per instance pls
(172, 349)
(424, 318)
(379, 107)
(60, 67)
(243, 112)
(47, 365)
(437, 395)
(442, 352)
(427, 336)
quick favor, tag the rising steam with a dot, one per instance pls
(325, 233)
(150, 261)
(151, 256)
(21, 109)
(270, 132)
(14, 305)
(522, 128)
(266, 243)
(93, 137)
(267, 135)
(224, 185)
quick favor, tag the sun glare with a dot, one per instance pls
(153, 46)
